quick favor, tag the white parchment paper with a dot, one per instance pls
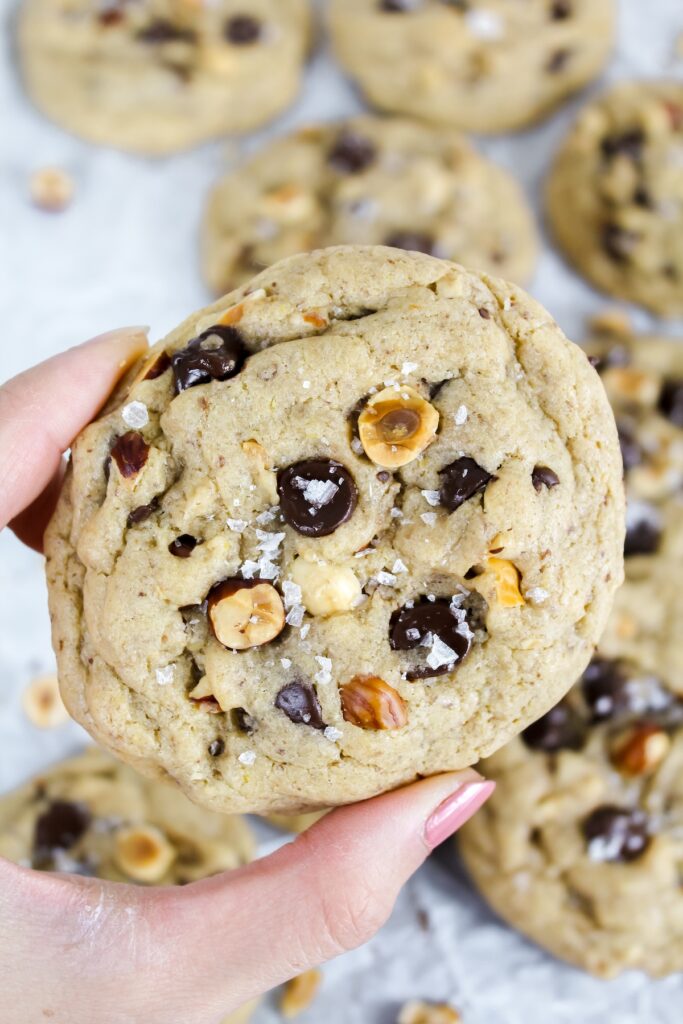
(125, 252)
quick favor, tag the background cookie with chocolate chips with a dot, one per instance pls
(615, 194)
(162, 75)
(482, 65)
(358, 521)
(368, 181)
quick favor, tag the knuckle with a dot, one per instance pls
(352, 912)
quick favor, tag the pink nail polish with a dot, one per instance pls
(456, 810)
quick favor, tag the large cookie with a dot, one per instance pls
(481, 65)
(161, 75)
(615, 194)
(366, 181)
(357, 522)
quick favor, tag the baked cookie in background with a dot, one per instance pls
(160, 76)
(358, 521)
(614, 195)
(368, 180)
(482, 65)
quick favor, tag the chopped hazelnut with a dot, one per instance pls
(640, 749)
(51, 189)
(326, 589)
(507, 577)
(245, 613)
(370, 703)
(43, 704)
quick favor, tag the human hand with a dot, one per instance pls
(75, 950)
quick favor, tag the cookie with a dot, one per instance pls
(368, 181)
(482, 65)
(615, 194)
(94, 816)
(357, 522)
(159, 76)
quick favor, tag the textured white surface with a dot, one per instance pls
(125, 252)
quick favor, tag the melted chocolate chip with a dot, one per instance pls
(562, 728)
(130, 452)
(183, 546)
(412, 241)
(159, 367)
(216, 748)
(242, 30)
(671, 402)
(300, 703)
(629, 143)
(642, 538)
(605, 689)
(631, 452)
(351, 153)
(461, 481)
(618, 243)
(244, 722)
(616, 834)
(543, 477)
(560, 10)
(416, 627)
(59, 828)
(558, 61)
(217, 354)
(143, 513)
(161, 30)
(316, 496)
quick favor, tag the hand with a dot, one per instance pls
(75, 950)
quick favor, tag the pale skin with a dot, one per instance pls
(75, 950)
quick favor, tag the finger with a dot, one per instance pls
(43, 409)
(31, 524)
(327, 892)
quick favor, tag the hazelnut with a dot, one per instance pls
(640, 749)
(370, 703)
(157, 363)
(632, 385)
(143, 853)
(326, 589)
(507, 577)
(51, 189)
(245, 613)
(43, 704)
(262, 470)
(396, 426)
(299, 993)
(428, 1013)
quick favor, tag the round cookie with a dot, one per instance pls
(92, 815)
(159, 76)
(615, 194)
(355, 523)
(482, 65)
(368, 181)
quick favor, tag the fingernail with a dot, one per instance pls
(456, 810)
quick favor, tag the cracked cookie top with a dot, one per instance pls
(358, 521)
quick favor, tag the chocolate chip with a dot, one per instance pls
(629, 143)
(558, 61)
(671, 402)
(617, 355)
(183, 546)
(461, 481)
(641, 197)
(605, 688)
(616, 834)
(161, 30)
(618, 243)
(484, 313)
(110, 16)
(642, 538)
(244, 722)
(396, 6)
(412, 241)
(560, 10)
(562, 728)
(143, 513)
(159, 366)
(59, 827)
(130, 452)
(417, 627)
(383, 476)
(631, 451)
(242, 30)
(217, 354)
(351, 153)
(216, 748)
(543, 477)
(300, 703)
(316, 496)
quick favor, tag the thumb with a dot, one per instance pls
(325, 893)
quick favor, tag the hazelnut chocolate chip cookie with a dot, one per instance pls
(482, 65)
(357, 522)
(368, 180)
(158, 76)
(92, 815)
(615, 194)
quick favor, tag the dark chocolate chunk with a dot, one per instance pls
(395, 6)
(561, 728)
(560, 10)
(183, 546)
(558, 61)
(242, 30)
(217, 354)
(351, 153)
(216, 747)
(641, 197)
(616, 834)
(416, 627)
(642, 538)
(605, 688)
(412, 241)
(671, 402)
(130, 452)
(316, 496)
(143, 513)
(159, 366)
(629, 143)
(161, 30)
(300, 703)
(460, 481)
(484, 313)
(618, 243)
(59, 827)
(243, 721)
(543, 477)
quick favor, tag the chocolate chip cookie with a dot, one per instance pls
(368, 180)
(482, 65)
(356, 522)
(615, 194)
(159, 76)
